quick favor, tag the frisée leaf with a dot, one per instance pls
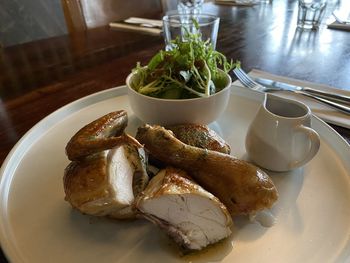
(189, 70)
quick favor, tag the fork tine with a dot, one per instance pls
(239, 75)
(242, 77)
(246, 79)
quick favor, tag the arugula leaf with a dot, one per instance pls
(156, 60)
(188, 70)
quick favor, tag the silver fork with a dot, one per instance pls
(248, 82)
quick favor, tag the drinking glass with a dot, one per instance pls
(310, 13)
(189, 6)
(179, 25)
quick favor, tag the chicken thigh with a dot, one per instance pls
(241, 186)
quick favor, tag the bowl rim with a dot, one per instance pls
(128, 78)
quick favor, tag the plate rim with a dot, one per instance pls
(8, 167)
(9, 164)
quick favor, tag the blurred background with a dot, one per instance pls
(26, 20)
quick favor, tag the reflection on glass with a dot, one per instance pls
(310, 13)
(178, 26)
(189, 6)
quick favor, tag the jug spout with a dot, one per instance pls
(280, 137)
(285, 108)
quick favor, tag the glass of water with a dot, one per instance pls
(178, 26)
(310, 13)
(189, 6)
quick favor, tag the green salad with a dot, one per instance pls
(189, 70)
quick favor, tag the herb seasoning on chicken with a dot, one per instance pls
(241, 186)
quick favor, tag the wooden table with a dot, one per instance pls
(38, 78)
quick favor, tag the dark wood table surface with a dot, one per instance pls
(38, 78)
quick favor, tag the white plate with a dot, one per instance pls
(37, 225)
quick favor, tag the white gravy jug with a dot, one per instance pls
(279, 137)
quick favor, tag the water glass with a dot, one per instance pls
(179, 25)
(310, 13)
(189, 6)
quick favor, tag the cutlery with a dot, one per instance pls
(248, 82)
(271, 84)
(236, 2)
(144, 22)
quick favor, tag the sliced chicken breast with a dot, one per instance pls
(241, 186)
(193, 217)
(106, 183)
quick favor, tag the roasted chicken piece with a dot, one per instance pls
(193, 217)
(200, 136)
(241, 186)
(106, 183)
(195, 135)
(102, 134)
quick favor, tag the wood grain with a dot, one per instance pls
(83, 14)
(39, 77)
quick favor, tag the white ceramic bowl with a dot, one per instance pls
(177, 111)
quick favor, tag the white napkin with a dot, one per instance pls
(337, 25)
(145, 21)
(149, 26)
(236, 2)
(322, 111)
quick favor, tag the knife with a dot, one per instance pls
(276, 85)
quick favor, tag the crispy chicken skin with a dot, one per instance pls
(241, 186)
(102, 134)
(107, 172)
(191, 216)
(107, 183)
(200, 136)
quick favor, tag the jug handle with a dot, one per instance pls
(314, 147)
